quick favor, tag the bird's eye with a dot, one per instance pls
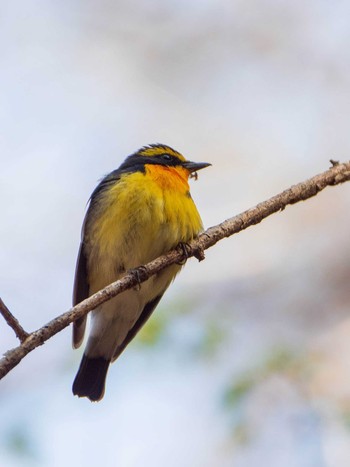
(166, 157)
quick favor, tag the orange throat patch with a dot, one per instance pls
(169, 178)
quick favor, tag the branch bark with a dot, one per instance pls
(336, 175)
(21, 334)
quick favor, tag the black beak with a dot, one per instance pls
(194, 166)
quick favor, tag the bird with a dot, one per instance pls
(137, 212)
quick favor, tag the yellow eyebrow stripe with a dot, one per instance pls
(151, 151)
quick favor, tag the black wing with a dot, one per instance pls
(81, 283)
(80, 292)
(145, 314)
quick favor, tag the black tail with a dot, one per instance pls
(91, 377)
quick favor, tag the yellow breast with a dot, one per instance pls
(140, 217)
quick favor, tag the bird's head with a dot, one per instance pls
(162, 155)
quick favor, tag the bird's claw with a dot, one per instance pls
(186, 250)
(138, 272)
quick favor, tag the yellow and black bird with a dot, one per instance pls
(136, 213)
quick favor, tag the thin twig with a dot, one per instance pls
(21, 334)
(337, 174)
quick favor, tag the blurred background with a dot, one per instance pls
(246, 360)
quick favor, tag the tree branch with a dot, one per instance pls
(336, 175)
(21, 334)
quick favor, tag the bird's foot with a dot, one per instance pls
(139, 273)
(186, 251)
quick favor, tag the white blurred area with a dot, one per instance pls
(253, 363)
